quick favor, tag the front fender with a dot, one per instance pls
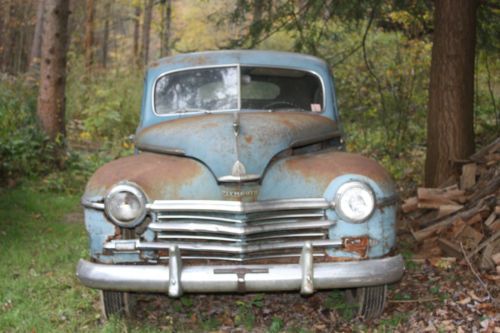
(320, 175)
(159, 176)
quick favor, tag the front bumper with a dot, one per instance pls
(305, 276)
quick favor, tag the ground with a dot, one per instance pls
(42, 240)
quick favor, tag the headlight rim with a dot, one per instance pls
(138, 193)
(342, 189)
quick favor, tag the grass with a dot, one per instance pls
(39, 247)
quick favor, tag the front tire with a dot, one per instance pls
(370, 301)
(116, 303)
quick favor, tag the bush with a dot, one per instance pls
(24, 149)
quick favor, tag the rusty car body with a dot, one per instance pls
(240, 183)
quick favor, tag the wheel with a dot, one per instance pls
(370, 301)
(116, 303)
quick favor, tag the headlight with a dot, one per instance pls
(354, 201)
(125, 205)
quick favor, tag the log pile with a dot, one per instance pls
(463, 217)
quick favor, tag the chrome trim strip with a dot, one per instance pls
(244, 178)
(272, 218)
(227, 206)
(240, 230)
(116, 245)
(238, 206)
(250, 258)
(92, 204)
(248, 239)
(202, 279)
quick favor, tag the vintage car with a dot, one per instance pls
(240, 183)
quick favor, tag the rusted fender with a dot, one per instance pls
(310, 175)
(159, 176)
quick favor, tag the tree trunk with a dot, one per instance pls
(167, 23)
(8, 38)
(137, 24)
(89, 35)
(105, 38)
(146, 29)
(36, 46)
(450, 132)
(51, 101)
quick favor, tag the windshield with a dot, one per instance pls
(233, 87)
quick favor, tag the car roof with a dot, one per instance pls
(239, 57)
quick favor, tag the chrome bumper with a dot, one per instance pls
(305, 276)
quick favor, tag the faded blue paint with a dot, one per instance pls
(209, 143)
(211, 139)
(379, 227)
(243, 58)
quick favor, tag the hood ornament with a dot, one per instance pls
(238, 170)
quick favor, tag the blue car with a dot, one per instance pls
(240, 183)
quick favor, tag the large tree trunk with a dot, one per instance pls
(36, 46)
(146, 29)
(450, 132)
(89, 35)
(51, 101)
(167, 26)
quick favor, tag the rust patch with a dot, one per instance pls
(325, 166)
(358, 245)
(153, 172)
(248, 139)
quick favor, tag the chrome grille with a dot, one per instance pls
(240, 234)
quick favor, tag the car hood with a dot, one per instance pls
(236, 146)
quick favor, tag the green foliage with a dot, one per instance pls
(245, 316)
(24, 149)
(105, 106)
(277, 325)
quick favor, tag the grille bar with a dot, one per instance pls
(240, 230)
(234, 249)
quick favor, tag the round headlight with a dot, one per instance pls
(125, 205)
(354, 201)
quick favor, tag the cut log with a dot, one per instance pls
(490, 219)
(437, 227)
(490, 148)
(486, 261)
(449, 248)
(410, 205)
(495, 226)
(496, 258)
(470, 238)
(468, 177)
(474, 219)
(446, 210)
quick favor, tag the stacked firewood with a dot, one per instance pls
(462, 219)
